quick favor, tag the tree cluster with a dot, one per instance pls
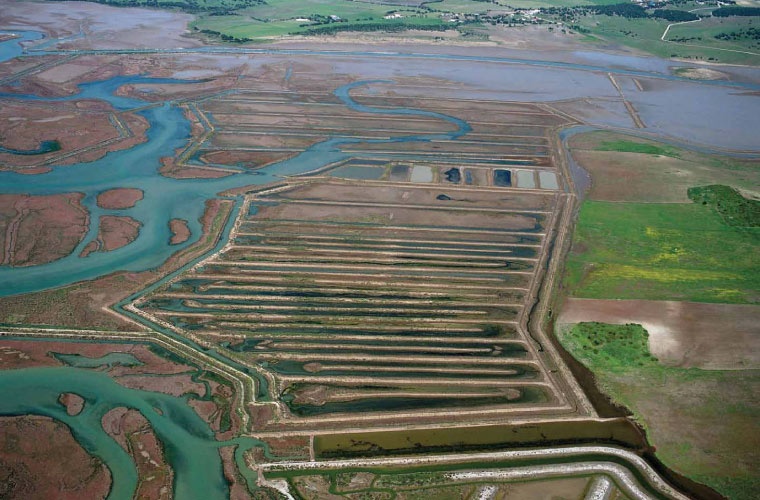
(675, 16)
(736, 11)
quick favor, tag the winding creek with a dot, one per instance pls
(36, 390)
(198, 474)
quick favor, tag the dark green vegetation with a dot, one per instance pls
(694, 34)
(749, 33)
(212, 6)
(662, 252)
(627, 10)
(676, 16)
(735, 209)
(610, 348)
(734, 10)
(627, 146)
(698, 430)
(388, 27)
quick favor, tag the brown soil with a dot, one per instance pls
(248, 159)
(39, 458)
(290, 446)
(398, 216)
(682, 333)
(120, 198)
(347, 192)
(133, 432)
(170, 168)
(39, 229)
(73, 403)
(180, 231)
(638, 177)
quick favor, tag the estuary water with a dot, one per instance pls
(188, 441)
(164, 198)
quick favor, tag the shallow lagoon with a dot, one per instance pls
(197, 474)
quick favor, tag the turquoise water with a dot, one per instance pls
(109, 360)
(44, 147)
(12, 48)
(164, 198)
(189, 443)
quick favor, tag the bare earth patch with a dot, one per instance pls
(700, 74)
(685, 334)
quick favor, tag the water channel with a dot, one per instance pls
(198, 472)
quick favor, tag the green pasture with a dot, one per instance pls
(697, 419)
(662, 252)
(627, 146)
(645, 34)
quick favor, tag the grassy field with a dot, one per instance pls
(702, 422)
(662, 252)
(279, 18)
(645, 232)
(644, 35)
(627, 168)
(628, 146)
(733, 208)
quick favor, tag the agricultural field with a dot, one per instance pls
(698, 419)
(659, 224)
(662, 252)
(640, 236)
(631, 169)
(697, 40)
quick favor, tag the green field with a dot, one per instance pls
(699, 420)
(662, 252)
(279, 18)
(627, 146)
(644, 34)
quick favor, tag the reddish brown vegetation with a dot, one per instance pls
(238, 489)
(180, 231)
(120, 198)
(82, 127)
(49, 465)
(39, 229)
(73, 403)
(85, 304)
(175, 385)
(133, 432)
(115, 231)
